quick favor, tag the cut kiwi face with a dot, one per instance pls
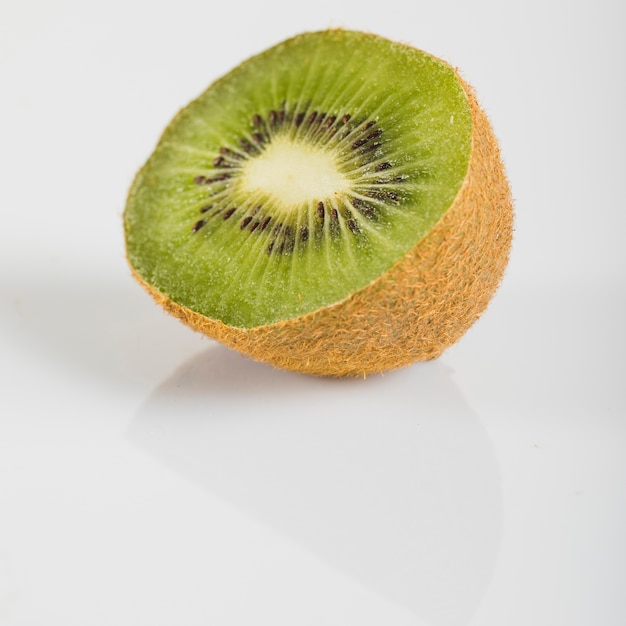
(305, 204)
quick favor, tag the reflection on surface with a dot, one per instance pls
(390, 480)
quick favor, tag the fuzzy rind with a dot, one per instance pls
(414, 311)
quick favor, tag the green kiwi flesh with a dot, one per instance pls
(299, 178)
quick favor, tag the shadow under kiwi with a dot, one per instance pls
(105, 332)
(391, 480)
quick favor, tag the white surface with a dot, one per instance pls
(151, 477)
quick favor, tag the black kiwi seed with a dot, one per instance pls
(359, 142)
(365, 209)
(221, 163)
(304, 233)
(229, 212)
(382, 166)
(353, 226)
(199, 180)
(245, 221)
(299, 119)
(320, 210)
(216, 179)
(257, 120)
(247, 146)
(198, 225)
(206, 208)
(265, 222)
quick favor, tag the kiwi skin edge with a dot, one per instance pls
(422, 305)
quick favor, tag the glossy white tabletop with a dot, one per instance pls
(150, 477)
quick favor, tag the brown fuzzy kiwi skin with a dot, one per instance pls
(415, 310)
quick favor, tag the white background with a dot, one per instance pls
(151, 477)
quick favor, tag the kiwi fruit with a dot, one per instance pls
(335, 205)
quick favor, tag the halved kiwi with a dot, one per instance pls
(335, 205)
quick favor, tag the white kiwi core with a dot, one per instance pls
(294, 173)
